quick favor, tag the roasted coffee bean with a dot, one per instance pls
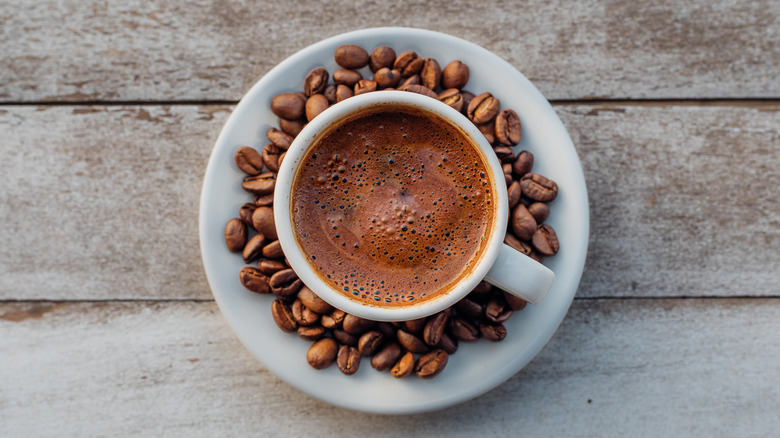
(263, 200)
(483, 289)
(415, 325)
(488, 131)
(364, 86)
(270, 157)
(545, 240)
(409, 63)
(345, 338)
(538, 188)
(334, 319)
(249, 160)
(262, 184)
(343, 92)
(288, 105)
(431, 364)
(245, 213)
(483, 108)
(496, 310)
(463, 330)
(263, 221)
(273, 250)
(522, 222)
(280, 139)
(411, 80)
(411, 342)
(434, 328)
(381, 57)
(285, 284)
(430, 74)
(235, 235)
(351, 56)
(513, 193)
(386, 78)
(281, 158)
(357, 325)
(282, 315)
(253, 248)
(508, 129)
(322, 353)
(523, 163)
(348, 360)
(315, 105)
(540, 211)
(514, 303)
(270, 267)
(303, 315)
(386, 328)
(517, 244)
(453, 98)
(468, 308)
(404, 367)
(387, 357)
(347, 77)
(311, 333)
(467, 98)
(313, 302)
(420, 89)
(455, 75)
(294, 127)
(315, 81)
(254, 280)
(370, 341)
(448, 343)
(493, 332)
(505, 154)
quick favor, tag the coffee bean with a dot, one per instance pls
(545, 240)
(356, 325)
(409, 63)
(517, 244)
(263, 200)
(285, 284)
(260, 184)
(404, 367)
(312, 333)
(370, 341)
(431, 364)
(315, 105)
(334, 319)
(313, 302)
(303, 315)
(523, 163)
(235, 235)
(294, 127)
(434, 328)
(455, 75)
(282, 315)
(253, 248)
(381, 57)
(496, 310)
(288, 105)
(343, 92)
(270, 157)
(254, 280)
(467, 98)
(540, 211)
(249, 160)
(279, 138)
(411, 80)
(420, 89)
(411, 342)
(482, 291)
(330, 93)
(351, 56)
(508, 130)
(245, 213)
(483, 108)
(493, 332)
(263, 221)
(488, 131)
(415, 325)
(348, 360)
(386, 78)
(463, 330)
(514, 303)
(270, 267)
(468, 308)
(364, 86)
(315, 81)
(448, 343)
(505, 154)
(453, 98)
(386, 328)
(538, 188)
(430, 74)
(387, 357)
(347, 77)
(513, 193)
(273, 250)
(523, 223)
(322, 353)
(345, 338)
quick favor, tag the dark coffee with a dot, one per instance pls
(393, 206)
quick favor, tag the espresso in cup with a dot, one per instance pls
(393, 206)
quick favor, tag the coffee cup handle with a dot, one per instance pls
(520, 275)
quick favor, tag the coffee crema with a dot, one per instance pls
(393, 206)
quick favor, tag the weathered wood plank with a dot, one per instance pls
(629, 368)
(203, 50)
(101, 202)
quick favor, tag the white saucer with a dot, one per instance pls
(475, 368)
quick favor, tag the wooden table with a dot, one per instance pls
(108, 113)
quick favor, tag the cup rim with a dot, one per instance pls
(283, 195)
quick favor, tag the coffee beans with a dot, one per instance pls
(322, 353)
(381, 57)
(538, 188)
(351, 56)
(508, 127)
(348, 359)
(249, 160)
(235, 235)
(431, 364)
(288, 105)
(483, 108)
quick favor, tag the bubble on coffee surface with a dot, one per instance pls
(392, 207)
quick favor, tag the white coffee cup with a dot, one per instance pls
(497, 263)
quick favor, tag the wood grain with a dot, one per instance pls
(214, 50)
(101, 202)
(629, 368)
